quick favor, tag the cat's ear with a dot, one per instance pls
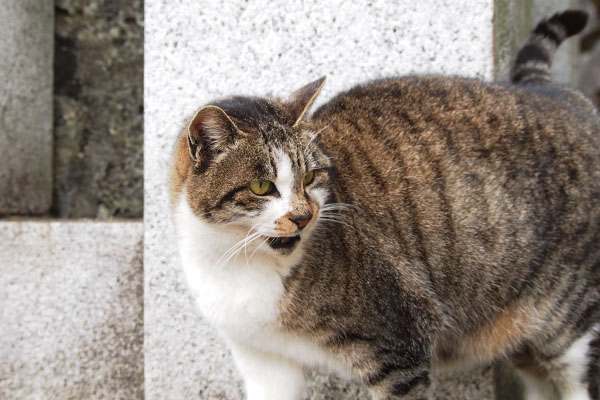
(300, 101)
(210, 131)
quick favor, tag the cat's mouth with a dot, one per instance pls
(285, 243)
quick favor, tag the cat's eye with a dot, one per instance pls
(308, 178)
(262, 187)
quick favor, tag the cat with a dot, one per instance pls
(410, 224)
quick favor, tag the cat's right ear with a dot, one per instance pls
(210, 132)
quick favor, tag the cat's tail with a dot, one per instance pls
(533, 61)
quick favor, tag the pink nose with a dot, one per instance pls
(301, 220)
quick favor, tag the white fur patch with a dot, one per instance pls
(240, 297)
(577, 359)
(536, 389)
(279, 206)
(568, 377)
(285, 175)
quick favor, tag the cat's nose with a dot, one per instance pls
(301, 220)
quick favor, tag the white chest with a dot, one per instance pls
(240, 297)
(240, 294)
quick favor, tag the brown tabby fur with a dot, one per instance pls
(474, 231)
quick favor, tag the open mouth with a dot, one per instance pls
(284, 242)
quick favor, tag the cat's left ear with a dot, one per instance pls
(300, 101)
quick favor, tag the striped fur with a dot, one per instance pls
(533, 61)
(452, 222)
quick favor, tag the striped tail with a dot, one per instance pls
(534, 59)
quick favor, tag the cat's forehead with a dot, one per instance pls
(269, 135)
(254, 114)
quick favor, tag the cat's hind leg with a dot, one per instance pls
(571, 374)
(562, 377)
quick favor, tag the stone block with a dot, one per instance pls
(26, 49)
(71, 319)
(195, 52)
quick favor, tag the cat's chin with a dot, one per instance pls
(284, 244)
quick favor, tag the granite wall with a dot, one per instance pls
(71, 319)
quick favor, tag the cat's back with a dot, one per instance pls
(440, 128)
(472, 181)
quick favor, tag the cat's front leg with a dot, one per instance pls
(268, 376)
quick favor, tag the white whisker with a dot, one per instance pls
(258, 247)
(317, 133)
(329, 219)
(236, 248)
(246, 241)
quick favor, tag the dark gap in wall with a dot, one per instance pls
(98, 109)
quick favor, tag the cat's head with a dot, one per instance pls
(254, 169)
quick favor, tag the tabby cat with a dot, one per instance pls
(410, 224)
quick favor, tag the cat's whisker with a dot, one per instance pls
(226, 255)
(258, 247)
(235, 253)
(342, 213)
(246, 242)
(246, 247)
(328, 219)
(340, 206)
(236, 248)
(317, 133)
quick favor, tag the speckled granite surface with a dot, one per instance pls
(71, 322)
(195, 52)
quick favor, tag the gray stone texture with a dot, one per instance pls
(98, 109)
(512, 23)
(513, 20)
(565, 66)
(198, 51)
(26, 48)
(589, 75)
(71, 321)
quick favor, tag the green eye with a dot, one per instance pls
(261, 188)
(308, 178)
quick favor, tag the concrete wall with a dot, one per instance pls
(26, 47)
(71, 310)
(565, 66)
(195, 52)
(589, 80)
(513, 20)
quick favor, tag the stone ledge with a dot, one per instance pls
(71, 322)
